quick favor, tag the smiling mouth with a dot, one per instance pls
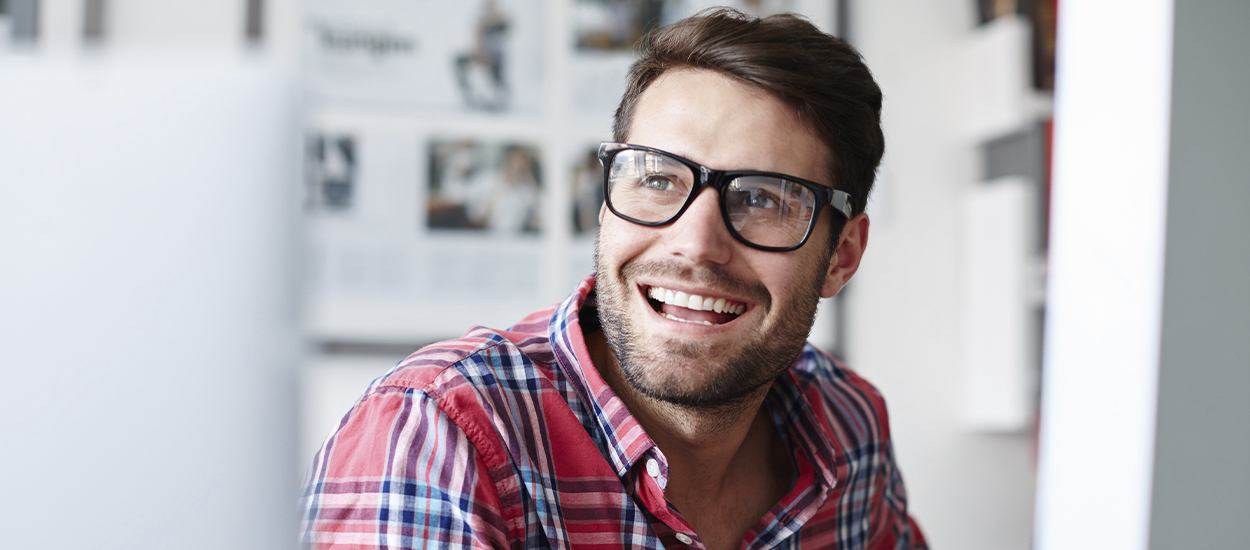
(683, 307)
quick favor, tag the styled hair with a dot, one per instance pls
(821, 77)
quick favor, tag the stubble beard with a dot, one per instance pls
(661, 368)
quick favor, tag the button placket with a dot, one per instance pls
(654, 499)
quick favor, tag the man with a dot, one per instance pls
(671, 401)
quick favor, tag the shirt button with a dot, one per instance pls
(684, 538)
(653, 468)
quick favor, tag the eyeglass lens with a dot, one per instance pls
(764, 210)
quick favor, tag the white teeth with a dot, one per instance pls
(681, 299)
(694, 301)
(680, 320)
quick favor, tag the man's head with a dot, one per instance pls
(723, 92)
(822, 78)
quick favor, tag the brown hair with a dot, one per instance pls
(823, 78)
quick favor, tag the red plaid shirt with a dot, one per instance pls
(511, 439)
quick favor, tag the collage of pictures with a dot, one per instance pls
(471, 185)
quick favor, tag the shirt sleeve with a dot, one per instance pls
(893, 528)
(400, 473)
(897, 529)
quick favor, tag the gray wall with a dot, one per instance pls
(1201, 496)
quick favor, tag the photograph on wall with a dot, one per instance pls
(754, 8)
(587, 192)
(615, 25)
(472, 56)
(492, 187)
(606, 33)
(989, 10)
(482, 68)
(1044, 18)
(331, 171)
(4, 21)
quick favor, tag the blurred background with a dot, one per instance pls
(221, 220)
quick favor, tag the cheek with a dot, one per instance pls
(620, 241)
(795, 280)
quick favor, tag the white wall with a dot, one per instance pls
(967, 490)
(1105, 287)
(147, 297)
(149, 319)
(215, 25)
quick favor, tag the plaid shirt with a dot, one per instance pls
(511, 439)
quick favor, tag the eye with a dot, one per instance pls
(658, 182)
(761, 200)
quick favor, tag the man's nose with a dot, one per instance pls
(699, 234)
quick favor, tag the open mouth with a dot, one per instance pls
(684, 307)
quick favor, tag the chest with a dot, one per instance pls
(576, 500)
(567, 492)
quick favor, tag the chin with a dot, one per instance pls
(693, 377)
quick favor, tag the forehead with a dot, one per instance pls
(727, 124)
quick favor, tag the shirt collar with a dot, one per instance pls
(624, 440)
(790, 403)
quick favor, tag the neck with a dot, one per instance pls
(707, 448)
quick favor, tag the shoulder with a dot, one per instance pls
(844, 397)
(494, 385)
(462, 385)
(402, 460)
(448, 424)
(481, 357)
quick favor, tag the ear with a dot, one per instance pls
(845, 258)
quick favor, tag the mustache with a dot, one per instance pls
(713, 278)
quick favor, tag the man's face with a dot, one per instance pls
(704, 358)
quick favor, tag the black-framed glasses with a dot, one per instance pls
(763, 210)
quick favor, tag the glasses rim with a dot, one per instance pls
(839, 200)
